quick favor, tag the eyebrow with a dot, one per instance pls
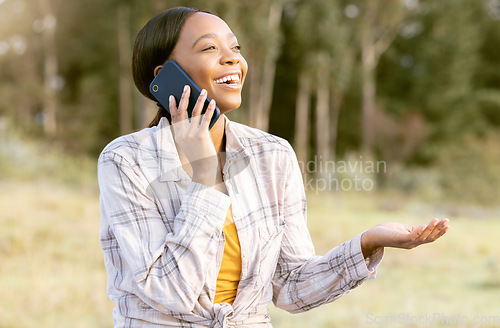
(210, 36)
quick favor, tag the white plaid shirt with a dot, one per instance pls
(162, 236)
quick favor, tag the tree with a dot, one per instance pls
(262, 45)
(378, 29)
(322, 31)
(302, 110)
(50, 72)
(431, 71)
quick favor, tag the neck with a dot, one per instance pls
(217, 135)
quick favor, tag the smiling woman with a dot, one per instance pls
(204, 228)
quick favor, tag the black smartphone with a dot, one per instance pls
(171, 80)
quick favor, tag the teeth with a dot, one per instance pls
(232, 78)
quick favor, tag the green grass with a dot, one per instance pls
(52, 272)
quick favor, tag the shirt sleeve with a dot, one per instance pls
(168, 274)
(302, 280)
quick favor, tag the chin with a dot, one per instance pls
(228, 106)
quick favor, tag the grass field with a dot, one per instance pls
(453, 282)
(52, 273)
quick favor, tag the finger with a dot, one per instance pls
(443, 231)
(208, 115)
(430, 227)
(432, 236)
(198, 107)
(173, 108)
(417, 232)
(444, 222)
(183, 104)
(436, 233)
(178, 124)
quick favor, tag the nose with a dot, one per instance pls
(229, 57)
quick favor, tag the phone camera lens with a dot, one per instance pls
(155, 88)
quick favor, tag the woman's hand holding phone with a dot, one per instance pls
(193, 137)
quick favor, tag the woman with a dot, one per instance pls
(204, 228)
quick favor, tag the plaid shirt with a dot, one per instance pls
(162, 236)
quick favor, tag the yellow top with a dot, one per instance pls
(230, 269)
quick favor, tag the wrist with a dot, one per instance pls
(368, 244)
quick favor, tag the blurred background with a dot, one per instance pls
(400, 96)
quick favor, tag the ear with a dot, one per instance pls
(157, 69)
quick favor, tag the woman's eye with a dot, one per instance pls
(209, 48)
(237, 47)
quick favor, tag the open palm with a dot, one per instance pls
(399, 235)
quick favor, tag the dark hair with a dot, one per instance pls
(154, 45)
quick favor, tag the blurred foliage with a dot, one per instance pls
(24, 159)
(470, 171)
(438, 82)
(466, 172)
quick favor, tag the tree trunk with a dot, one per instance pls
(368, 63)
(32, 81)
(50, 102)
(302, 119)
(269, 71)
(336, 104)
(369, 105)
(323, 113)
(338, 87)
(254, 79)
(372, 48)
(125, 85)
(261, 76)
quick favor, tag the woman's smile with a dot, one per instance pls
(231, 80)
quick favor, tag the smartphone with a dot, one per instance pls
(171, 80)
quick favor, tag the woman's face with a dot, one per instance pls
(210, 54)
